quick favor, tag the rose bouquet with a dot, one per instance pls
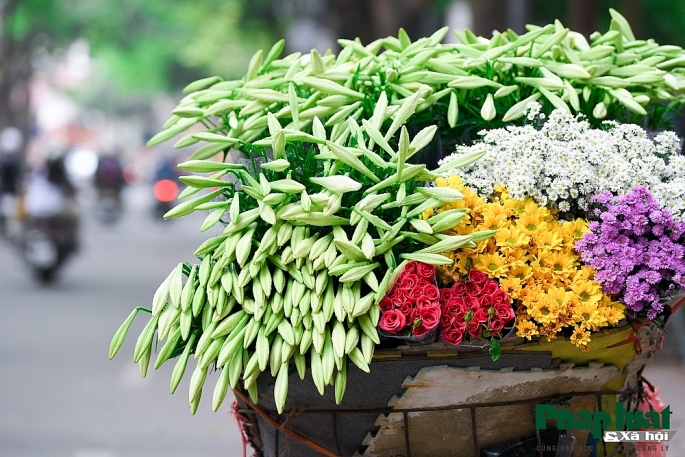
(476, 308)
(411, 308)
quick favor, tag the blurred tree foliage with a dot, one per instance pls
(142, 47)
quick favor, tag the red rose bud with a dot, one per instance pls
(426, 271)
(496, 326)
(422, 283)
(419, 331)
(431, 291)
(478, 277)
(486, 301)
(411, 268)
(504, 312)
(459, 323)
(415, 315)
(424, 302)
(490, 287)
(472, 303)
(452, 336)
(445, 321)
(399, 300)
(445, 294)
(474, 329)
(409, 282)
(386, 305)
(472, 289)
(501, 296)
(430, 317)
(393, 321)
(457, 302)
(406, 310)
(481, 315)
(459, 289)
(415, 293)
(457, 315)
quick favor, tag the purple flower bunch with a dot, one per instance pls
(636, 248)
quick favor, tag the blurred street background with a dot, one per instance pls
(84, 84)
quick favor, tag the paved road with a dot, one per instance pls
(59, 394)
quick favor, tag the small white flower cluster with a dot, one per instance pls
(566, 162)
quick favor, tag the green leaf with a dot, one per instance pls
(495, 349)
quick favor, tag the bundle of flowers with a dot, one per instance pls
(637, 249)
(411, 308)
(313, 238)
(476, 308)
(479, 82)
(532, 257)
(564, 163)
(334, 201)
(589, 222)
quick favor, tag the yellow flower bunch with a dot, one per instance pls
(533, 257)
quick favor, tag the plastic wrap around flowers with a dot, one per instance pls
(414, 309)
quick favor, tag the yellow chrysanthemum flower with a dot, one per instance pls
(581, 338)
(574, 230)
(511, 237)
(531, 223)
(560, 295)
(550, 239)
(544, 311)
(494, 265)
(511, 285)
(583, 274)
(587, 291)
(526, 329)
(493, 221)
(613, 314)
(533, 209)
(518, 257)
(587, 315)
(521, 272)
(515, 207)
(561, 266)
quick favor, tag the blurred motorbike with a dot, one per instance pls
(109, 180)
(47, 243)
(49, 221)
